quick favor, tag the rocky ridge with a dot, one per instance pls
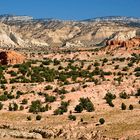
(26, 32)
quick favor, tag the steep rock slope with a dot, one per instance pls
(8, 38)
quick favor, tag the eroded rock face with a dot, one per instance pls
(11, 57)
(120, 46)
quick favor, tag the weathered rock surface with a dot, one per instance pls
(11, 57)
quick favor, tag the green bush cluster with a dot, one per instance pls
(36, 106)
(109, 97)
(85, 104)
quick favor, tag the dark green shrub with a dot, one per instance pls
(130, 64)
(101, 120)
(109, 97)
(62, 91)
(12, 73)
(56, 62)
(90, 107)
(3, 97)
(86, 104)
(60, 68)
(96, 64)
(138, 93)
(50, 98)
(58, 111)
(79, 108)
(116, 67)
(62, 109)
(38, 117)
(123, 106)
(1, 106)
(125, 69)
(29, 118)
(137, 69)
(21, 107)
(137, 74)
(73, 89)
(10, 96)
(81, 120)
(105, 60)
(48, 87)
(23, 68)
(62, 97)
(24, 101)
(35, 106)
(3, 87)
(131, 107)
(84, 86)
(62, 77)
(13, 107)
(72, 117)
(46, 62)
(124, 95)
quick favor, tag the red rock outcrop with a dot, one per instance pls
(11, 57)
(131, 45)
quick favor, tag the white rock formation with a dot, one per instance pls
(125, 35)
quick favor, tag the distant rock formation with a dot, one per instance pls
(120, 37)
(120, 46)
(23, 32)
(11, 57)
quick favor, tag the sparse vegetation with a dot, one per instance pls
(86, 104)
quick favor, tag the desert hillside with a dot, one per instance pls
(23, 32)
(69, 80)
